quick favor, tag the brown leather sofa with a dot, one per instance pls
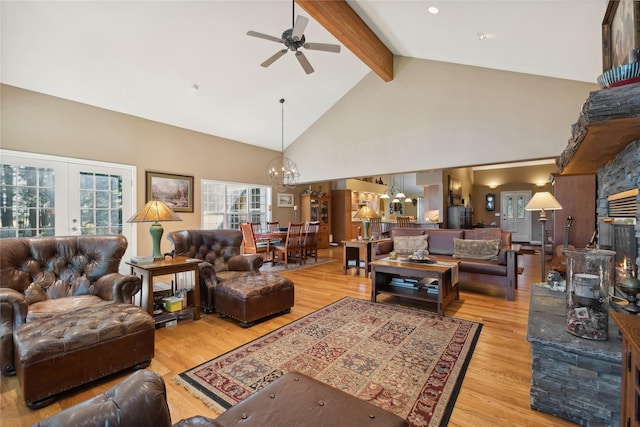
(292, 400)
(502, 271)
(219, 251)
(42, 277)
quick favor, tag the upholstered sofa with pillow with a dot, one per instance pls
(485, 254)
(219, 252)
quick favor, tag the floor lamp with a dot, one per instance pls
(155, 211)
(540, 202)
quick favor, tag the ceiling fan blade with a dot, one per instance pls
(273, 58)
(299, 27)
(306, 66)
(323, 46)
(264, 36)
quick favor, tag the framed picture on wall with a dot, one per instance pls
(620, 32)
(285, 200)
(176, 191)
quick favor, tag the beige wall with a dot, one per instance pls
(38, 123)
(508, 179)
(437, 115)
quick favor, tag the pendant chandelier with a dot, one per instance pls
(282, 172)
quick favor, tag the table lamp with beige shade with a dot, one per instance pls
(155, 211)
(365, 213)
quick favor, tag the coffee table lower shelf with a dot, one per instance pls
(382, 272)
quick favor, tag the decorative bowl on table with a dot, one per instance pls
(619, 76)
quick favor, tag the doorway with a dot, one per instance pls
(514, 217)
(56, 196)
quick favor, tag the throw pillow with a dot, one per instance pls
(488, 233)
(476, 249)
(410, 244)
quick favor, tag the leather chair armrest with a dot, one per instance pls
(249, 262)
(18, 303)
(207, 273)
(139, 400)
(384, 247)
(117, 287)
(13, 313)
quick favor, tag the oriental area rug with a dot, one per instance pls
(407, 361)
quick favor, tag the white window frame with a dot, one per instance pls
(232, 194)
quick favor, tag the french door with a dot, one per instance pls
(56, 196)
(514, 217)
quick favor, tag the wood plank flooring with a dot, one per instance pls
(495, 391)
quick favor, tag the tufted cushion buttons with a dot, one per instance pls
(273, 396)
(321, 403)
(244, 416)
(45, 337)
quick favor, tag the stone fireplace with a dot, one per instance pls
(575, 378)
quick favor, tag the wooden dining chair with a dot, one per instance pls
(404, 222)
(293, 245)
(274, 227)
(375, 227)
(251, 246)
(311, 240)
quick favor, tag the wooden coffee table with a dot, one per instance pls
(385, 270)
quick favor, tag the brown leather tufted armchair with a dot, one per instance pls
(43, 276)
(219, 251)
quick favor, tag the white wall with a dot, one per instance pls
(436, 115)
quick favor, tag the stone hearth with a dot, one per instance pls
(571, 378)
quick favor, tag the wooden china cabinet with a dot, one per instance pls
(316, 208)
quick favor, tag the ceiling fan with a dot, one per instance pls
(293, 39)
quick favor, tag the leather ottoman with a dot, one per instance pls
(297, 400)
(254, 297)
(60, 352)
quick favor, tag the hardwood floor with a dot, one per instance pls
(495, 391)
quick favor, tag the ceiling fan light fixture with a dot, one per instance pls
(293, 39)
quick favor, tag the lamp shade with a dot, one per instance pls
(543, 201)
(366, 212)
(155, 211)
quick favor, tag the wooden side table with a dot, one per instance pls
(352, 252)
(178, 264)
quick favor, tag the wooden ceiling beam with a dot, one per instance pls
(350, 30)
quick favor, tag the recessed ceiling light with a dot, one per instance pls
(434, 10)
(482, 36)
(195, 87)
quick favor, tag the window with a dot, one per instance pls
(226, 204)
(100, 203)
(42, 195)
(27, 205)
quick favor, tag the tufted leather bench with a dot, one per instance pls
(250, 298)
(297, 400)
(291, 400)
(57, 353)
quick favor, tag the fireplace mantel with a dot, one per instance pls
(608, 122)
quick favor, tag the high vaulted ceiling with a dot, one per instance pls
(190, 63)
